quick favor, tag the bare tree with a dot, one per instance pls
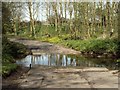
(16, 13)
(33, 9)
(54, 6)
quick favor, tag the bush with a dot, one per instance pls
(6, 58)
(13, 49)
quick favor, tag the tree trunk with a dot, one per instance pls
(32, 28)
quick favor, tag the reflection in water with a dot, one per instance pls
(64, 60)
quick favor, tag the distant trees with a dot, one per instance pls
(11, 17)
(78, 19)
(17, 11)
(84, 19)
(51, 20)
(33, 11)
(16, 14)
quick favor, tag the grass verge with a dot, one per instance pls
(104, 47)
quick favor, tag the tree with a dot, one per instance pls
(6, 19)
(16, 15)
(32, 28)
(54, 6)
(31, 11)
(70, 6)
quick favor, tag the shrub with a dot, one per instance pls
(13, 49)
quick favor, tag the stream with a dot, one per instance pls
(60, 60)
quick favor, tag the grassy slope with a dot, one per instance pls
(96, 46)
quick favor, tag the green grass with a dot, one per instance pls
(97, 46)
(50, 39)
(93, 45)
(8, 68)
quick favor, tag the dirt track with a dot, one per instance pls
(52, 77)
(38, 47)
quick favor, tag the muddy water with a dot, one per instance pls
(65, 61)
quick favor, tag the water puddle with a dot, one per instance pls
(65, 60)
